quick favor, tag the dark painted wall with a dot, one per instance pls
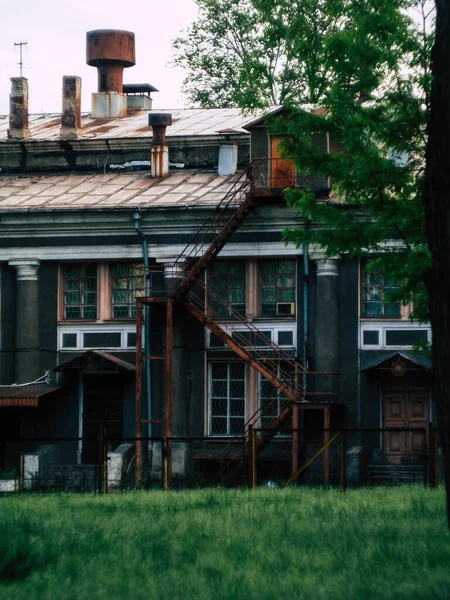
(7, 323)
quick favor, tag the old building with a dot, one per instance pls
(184, 208)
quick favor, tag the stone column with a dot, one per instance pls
(27, 320)
(327, 316)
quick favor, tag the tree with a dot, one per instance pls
(254, 53)
(437, 210)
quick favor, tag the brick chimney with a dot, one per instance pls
(159, 152)
(71, 107)
(18, 109)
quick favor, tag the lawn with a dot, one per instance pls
(213, 544)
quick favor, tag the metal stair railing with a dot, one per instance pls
(214, 232)
(278, 355)
(228, 455)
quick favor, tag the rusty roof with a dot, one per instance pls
(25, 395)
(186, 122)
(82, 191)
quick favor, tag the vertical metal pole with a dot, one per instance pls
(105, 463)
(294, 457)
(326, 452)
(435, 458)
(169, 391)
(253, 479)
(343, 462)
(22, 460)
(165, 465)
(138, 417)
(100, 457)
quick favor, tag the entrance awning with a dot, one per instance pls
(25, 396)
(96, 360)
(388, 361)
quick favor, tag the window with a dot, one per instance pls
(227, 398)
(272, 402)
(227, 280)
(80, 291)
(127, 283)
(277, 285)
(378, 295)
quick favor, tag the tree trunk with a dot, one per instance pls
(437, 206)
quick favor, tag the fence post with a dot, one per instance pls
(252, 439)
(105, 463)
(435, 454)
(22, 461)
(165, 464)
(343, 474)
(100, 452)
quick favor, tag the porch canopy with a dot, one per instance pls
(28, 395)
(396, 362)
(94, 361)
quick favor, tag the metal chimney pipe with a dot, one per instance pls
(159, 153)
(110, 50)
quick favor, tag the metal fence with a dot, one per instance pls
(315, 457)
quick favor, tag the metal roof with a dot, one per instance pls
(81, 191)
(186, 122)
(368, 363)
(92, 360)
(25, 395)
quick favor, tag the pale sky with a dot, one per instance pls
(56, 34)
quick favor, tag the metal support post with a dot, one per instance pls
(326, 437)
(435, 454)
(252, 439)
(22, 461)
(138, 418)
(169, 390)
(343, 462)
(295, 435)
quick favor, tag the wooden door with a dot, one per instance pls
(405, 404)
(102, 407)
(282, 170)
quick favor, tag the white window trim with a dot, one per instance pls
(79, 329)
(274, 328)
(382, 326)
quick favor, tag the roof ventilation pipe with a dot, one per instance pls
(228, 158)
(111, 51)
(159, 152)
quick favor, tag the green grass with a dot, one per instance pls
(213, 544)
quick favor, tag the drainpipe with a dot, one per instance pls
(147, 377)
(305, 304)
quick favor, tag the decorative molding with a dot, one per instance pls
(327, 268)
(163, 253)
(26, 269)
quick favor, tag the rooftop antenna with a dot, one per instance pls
(21, 44)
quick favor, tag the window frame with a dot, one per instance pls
(111, 290)
(210, 282)
(277, 288)
(382, 287)
(228, 416)
(63, 290)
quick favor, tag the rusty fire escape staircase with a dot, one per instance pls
(262, 354)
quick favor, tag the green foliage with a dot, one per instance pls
(365, 63)
(306, 543)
